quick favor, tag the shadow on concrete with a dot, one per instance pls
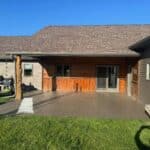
(10, 113)
(32, 93)
(148, 115)
(28, 88)
(48, 100)
(139, 143)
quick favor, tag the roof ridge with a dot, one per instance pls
(92, 25)
(95, 25)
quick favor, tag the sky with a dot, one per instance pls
(25, 17)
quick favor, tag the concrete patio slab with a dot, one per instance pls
(9, 108)
(97, 105)
(101, 105)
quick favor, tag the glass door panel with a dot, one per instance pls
(107, 77)
(112, 76)
(101, 77)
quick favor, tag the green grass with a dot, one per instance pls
(34, 132)
(4, 100)
(4, 96)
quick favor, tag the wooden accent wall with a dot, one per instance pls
(78, 84)
(83, 73)
(134, 90)
(82, 79)
(122, 77)
(48, 71)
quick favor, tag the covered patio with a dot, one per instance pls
(82, 73)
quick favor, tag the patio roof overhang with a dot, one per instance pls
(71, 54)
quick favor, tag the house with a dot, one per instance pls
(31, 71)
(31, 68)
(88, 58)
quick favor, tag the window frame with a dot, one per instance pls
(25, 75)
(63, 70)
(148, 71)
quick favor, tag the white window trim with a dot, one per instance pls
(31, 65)
(147, 71)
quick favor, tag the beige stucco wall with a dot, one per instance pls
(36, 78)
(7, 69)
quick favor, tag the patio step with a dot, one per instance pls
(26, 106)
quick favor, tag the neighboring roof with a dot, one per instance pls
(4, 57)
(79, 40)
(141, 45)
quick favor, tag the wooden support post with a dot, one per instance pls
(18, 73)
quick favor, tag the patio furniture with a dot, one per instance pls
(6, 85)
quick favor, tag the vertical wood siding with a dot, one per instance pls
(47, 77)
(79, 84)
(122, 77)
(134, 90)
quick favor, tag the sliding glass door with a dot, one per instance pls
(107, 78)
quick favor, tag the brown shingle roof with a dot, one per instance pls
(92, 40)
(14, 43)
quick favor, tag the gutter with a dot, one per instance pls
(45, 54)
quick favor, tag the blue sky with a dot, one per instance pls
(25, 17)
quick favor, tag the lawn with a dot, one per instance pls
(35, 132)
(4, 100)
(4, 96)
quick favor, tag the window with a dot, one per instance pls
(63, 70)
(147, 71)
(28, 69)
(59, 70)
(66, 70)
